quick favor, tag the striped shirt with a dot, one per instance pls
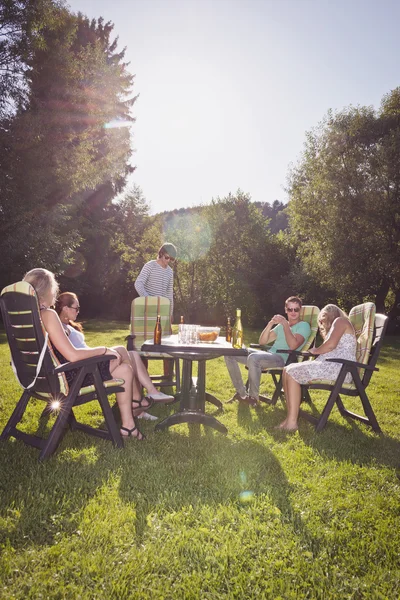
(154, 280)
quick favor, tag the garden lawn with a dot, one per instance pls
(192, 513)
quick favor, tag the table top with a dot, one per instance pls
(170, 345)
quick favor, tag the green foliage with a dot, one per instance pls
(67, 148)
(345, 202)
(190, 514)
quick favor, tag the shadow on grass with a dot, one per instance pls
(167, 473)
(350, 441)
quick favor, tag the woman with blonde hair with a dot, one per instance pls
(46, 288)
(339, 342)
(67, 308)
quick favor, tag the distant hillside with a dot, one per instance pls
(275, 212)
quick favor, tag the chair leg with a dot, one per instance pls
(16, 415)
(370, 418)
(62, 420)
(332, 399)
(102, 397)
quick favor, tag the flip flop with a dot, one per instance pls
(140, 437)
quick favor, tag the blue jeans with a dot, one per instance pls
(256, 361)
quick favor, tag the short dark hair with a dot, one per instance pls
(295, 299)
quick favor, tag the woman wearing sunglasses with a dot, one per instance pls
(67, 308)
(46, 288)
(339, 342)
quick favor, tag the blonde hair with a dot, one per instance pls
(43, 281)
(332, 312)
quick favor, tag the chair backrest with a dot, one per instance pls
(362, 318)
(309, 314)
(381, 322)
(144, 311)
(26, 337)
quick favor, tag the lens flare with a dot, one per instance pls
(192, 235)
(116, 124)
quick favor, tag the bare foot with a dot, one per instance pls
(285, 426)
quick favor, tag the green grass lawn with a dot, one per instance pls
(196, 514)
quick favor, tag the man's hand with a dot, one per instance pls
(278, 319)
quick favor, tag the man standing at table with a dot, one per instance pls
(156, 277)
(287, 334)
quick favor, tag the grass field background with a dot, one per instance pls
(191, 513)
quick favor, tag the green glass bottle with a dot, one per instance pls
(237, 331)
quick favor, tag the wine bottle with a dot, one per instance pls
(157, 331)
(237, 331)
(228, 335)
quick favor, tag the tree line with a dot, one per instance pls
(66, 102)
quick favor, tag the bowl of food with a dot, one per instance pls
(208, 334)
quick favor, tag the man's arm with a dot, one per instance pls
(268, 335)
(293, 340)
(140, 283)
(170, 294)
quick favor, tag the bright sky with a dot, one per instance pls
(228, 88)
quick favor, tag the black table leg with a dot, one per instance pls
(192, 401)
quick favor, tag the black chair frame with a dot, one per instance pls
(25, 354)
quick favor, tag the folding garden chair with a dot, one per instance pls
(308, 313)
(370, 329)
(42, 377)
(144, 311)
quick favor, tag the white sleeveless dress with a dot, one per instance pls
(319, 368)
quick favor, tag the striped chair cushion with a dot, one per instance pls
(144, 311)
(23, 287)
(362, 318)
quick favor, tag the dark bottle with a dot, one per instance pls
(228, 335)
(157, 331)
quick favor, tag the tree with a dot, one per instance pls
(21, 24)
(345, 203)
(68, 146)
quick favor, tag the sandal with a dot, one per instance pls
(142, 404)
(140, 436)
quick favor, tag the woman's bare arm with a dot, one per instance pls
(340, 326)
(58, 338)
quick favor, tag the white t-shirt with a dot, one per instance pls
(76, 337)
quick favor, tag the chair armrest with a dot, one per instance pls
(82, 363)
(264, 347)
(295, 353)
(352, 363)
(130, 345)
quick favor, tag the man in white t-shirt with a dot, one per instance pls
(287, 334)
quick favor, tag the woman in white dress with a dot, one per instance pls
(67, 308)
(339, 342)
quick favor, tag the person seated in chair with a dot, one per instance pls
(67, 308)
(287, 334)
(46, 288)
(339, 342)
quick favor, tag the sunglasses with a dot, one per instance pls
(77, 308)
(296, 310)
(167, 257)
